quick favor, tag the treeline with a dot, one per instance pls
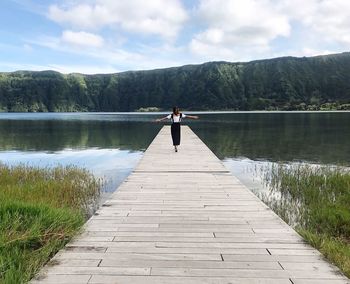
(288, 83)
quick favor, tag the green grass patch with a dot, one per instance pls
(40, 211)
(316, 201)
(335, 249)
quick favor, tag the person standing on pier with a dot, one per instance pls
(176, 118)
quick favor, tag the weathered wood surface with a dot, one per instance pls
(183, 218)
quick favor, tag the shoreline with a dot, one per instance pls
(182, 110)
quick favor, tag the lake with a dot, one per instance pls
(111, 144)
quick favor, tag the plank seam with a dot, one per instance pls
(280, 265)
(99, 263)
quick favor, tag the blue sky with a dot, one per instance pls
(104, 36)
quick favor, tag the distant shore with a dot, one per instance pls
(182, 110)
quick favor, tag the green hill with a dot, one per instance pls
(288, 83)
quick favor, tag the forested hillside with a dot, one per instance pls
(287, 83)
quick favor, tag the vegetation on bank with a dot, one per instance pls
(40, 211)
(288, 83)
(148, 109)
(316, 201)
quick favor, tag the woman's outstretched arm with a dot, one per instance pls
(161, 119)
(192, 116)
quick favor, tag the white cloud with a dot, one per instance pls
(157, 17)
(303, 51)
(119, 58)
(14, 66)
(27, 47)
(210, 51)
(233, 25)
(249, 29)
(80, 15)
(82, 39)
(306, 51)
(297, 9)
(329, 19)
(63, 68)
(107, 53)
(85, 69)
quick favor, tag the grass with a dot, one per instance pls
(316, 201)
(40, 211)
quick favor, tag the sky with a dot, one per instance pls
(107, 36)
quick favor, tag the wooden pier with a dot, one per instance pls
(184, 218)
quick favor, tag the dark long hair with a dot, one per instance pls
(175, 110)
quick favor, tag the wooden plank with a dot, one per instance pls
(62, 255)
(193, 264)
(103, 279)
(243, 273)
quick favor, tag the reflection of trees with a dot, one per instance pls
(54, 135)
(318, 137)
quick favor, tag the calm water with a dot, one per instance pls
(111, 144)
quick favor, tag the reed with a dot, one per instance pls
(315, 200)
(40, 211)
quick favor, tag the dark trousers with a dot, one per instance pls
(175, 133)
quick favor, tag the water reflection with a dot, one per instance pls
(110, 144)
(55, 135)
(111, 165)
(316, 137)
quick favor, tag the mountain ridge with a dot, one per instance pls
(283, 83)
